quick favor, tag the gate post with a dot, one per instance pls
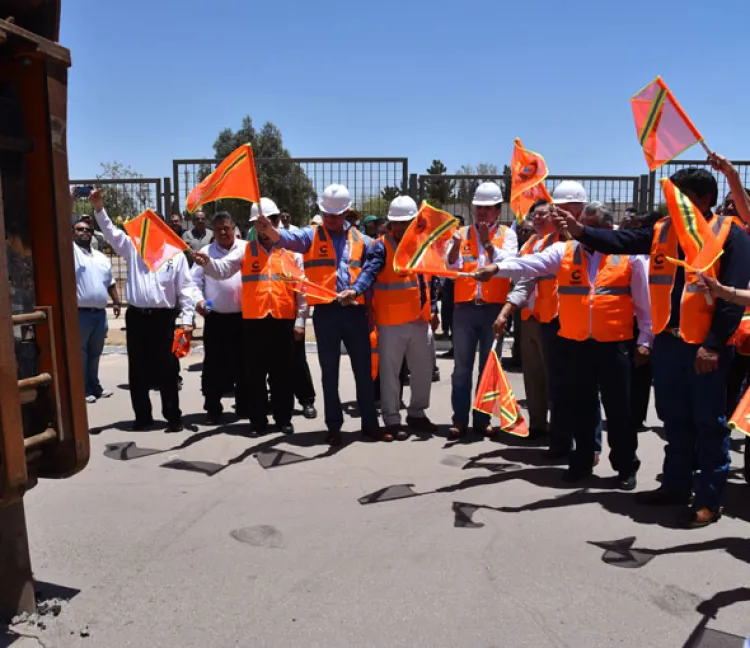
(17, 591)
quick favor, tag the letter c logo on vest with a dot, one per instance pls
(575, 276)
(323, 249)
(659, 260)
(256, 266)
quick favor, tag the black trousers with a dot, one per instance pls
(151, 363)
(268, 350)
(641, 392)
(593, 368)
(303, 384)
(739, 378)
(223, 369)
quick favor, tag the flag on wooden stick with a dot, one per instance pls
(235, 177)
(527, 183)
(664, 129)
(496, 398)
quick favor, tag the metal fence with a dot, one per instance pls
(617, 192)
(366, 178)
(656, 197)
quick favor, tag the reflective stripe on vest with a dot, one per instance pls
(545, 291)
(604, 311)
(321, 265)
(263, 291)
(397, 298)
(494, 291)
(696, 314)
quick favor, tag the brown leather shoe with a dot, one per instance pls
(662, 497)
(457, 432)
(696, 518)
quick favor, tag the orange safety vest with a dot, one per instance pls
(494, 291)
(695, 312)
(741, 337)
(263, 293)
(545, 301)
(603, 311)
(396, 294)
(321, 264)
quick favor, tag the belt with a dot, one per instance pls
(151, 311)
(479, 302)
(91, 310)
(674, 332)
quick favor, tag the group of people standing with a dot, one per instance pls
(598, 307)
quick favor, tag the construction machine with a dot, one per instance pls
(43, 425)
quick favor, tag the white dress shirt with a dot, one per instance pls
(93, 277)
(169, 287)
(225, 294)
(508, 251)
(231, 263)
(549, 261)
(523, 292)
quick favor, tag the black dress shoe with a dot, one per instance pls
(436, 375)
(286, 428)
(575, 475)
(334, 439)
(309, 411)
(626, 481)
(377, 434)
(662, 497)
(142, 426)
(213, 418)
(555, 455)
(257, 430)
(421, 424)
(447, 354)
(396, 432)
(175, 426)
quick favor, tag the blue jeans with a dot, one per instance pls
(693, 406)
(93, 328)
(335, 324)
(472, 327)
(562, 423)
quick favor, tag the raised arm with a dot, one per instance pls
(117, 238)
(526, 267)
(635, 241)
(741, 199)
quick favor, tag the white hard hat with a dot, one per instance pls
(335, 199)
(487, 193)
(317, 219)
(402, 208)
(268, 207)
(569, 191)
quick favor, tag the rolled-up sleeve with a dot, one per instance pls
(641, 299)
(302, 307)
(299, 241)
(459, 263)
(522, 291)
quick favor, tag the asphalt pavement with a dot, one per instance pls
(210, 538)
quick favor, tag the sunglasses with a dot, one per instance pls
(82, 229)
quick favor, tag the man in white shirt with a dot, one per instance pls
(94, 282)
(153, 298)
(219, 301)
(477, 305)
(598, 297)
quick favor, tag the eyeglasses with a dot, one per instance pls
(82, 229)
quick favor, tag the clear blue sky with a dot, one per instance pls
(154, 80)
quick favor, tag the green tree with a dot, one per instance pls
(438, 191)
(375, 205)
(390, 193)
(124, 200)
(283, 181)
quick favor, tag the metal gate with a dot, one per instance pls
(301, 180)
(656, 197)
